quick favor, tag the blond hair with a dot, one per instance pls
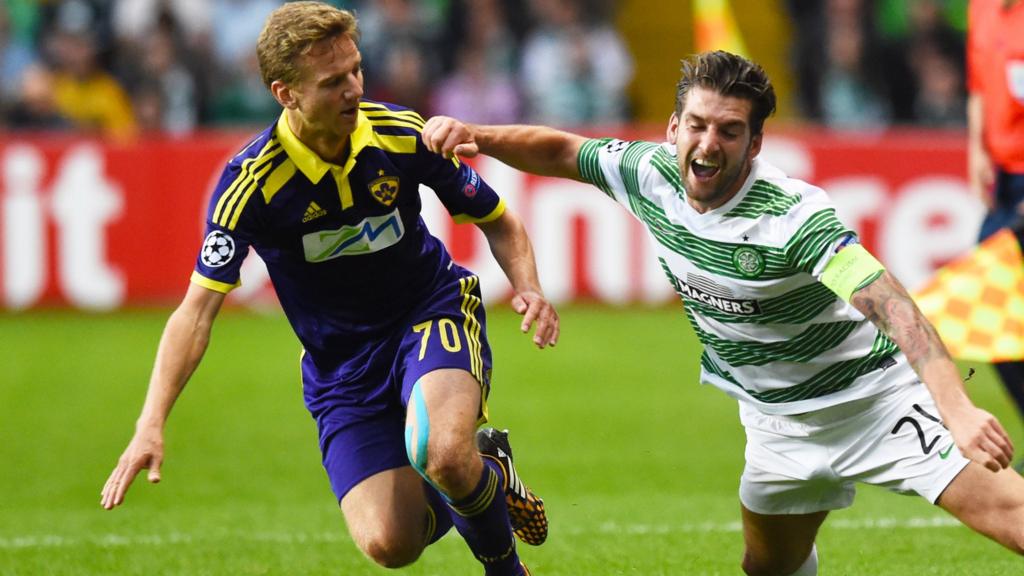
(292, 30)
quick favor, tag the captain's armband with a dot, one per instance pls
(850, 270)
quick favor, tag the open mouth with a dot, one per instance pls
(350, 112)
(703, 169)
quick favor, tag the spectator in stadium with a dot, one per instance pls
(92, 16)
(477, 93)
(825, 351)
(134, 20)
(164, 58)
(574, 71)
(405, 70)
(858, 81)
(396, 366)
(238, 23)
(399, 41)
(494, 27)
(92, 98)
(925, 55)
(16, 56)
(175, 86)
(243, 99)
(941, 98)
(851, 96)
(995, 113)
(34, 107)
(480, 86)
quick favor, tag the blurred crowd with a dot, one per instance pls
(869, 64)
(125, 67)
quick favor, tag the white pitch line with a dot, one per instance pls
(120, 540)
(735, 526)
(178, 538)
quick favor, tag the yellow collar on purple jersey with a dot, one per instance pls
(314, 167)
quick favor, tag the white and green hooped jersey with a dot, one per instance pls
(748, 274)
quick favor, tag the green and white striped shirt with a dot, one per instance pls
(748, 274)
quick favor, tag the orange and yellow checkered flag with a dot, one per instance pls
(977, 302)
(715, 27)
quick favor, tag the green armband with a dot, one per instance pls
(850, 270)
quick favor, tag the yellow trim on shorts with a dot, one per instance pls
(850, 270)
(471, 328)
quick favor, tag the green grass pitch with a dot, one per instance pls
(637, 463)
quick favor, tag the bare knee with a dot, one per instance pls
(449, 464)
(389, 552)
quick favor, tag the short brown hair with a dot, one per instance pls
(729, 75)
(292, 30)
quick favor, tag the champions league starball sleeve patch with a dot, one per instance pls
(220, 261)
(218, 249)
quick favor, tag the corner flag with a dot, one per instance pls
(977, 301)
(715, 27)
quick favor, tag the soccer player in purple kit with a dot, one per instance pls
(396, 365)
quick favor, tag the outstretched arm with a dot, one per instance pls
(181, 348)
(511, 247)
(535, 149)
(977, 433)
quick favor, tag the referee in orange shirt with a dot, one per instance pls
(995, 115)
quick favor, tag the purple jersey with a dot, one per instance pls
(345, 246)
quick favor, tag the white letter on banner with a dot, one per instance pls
(24, 228)
(789, 155)
(915, 248)
(84, 202)
(857, 199)
(607, 241)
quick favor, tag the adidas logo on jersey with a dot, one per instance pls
(313, 211)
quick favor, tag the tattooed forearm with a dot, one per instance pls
(888, 305)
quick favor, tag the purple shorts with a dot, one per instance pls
(360, 405)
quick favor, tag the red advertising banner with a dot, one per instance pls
(98, 226)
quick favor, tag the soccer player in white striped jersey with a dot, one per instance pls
(825, 350)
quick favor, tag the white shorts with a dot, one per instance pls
(806, 463)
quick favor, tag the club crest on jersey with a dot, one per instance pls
(748, 261)
(372, 234)
(385, 189)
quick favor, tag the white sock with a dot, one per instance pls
(810, 566)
